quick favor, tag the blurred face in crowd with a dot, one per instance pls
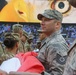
(42, 36)
(23, 39)
(49, 25)
(21, 32)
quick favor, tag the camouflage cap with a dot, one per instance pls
(15, 36)
(40, 30)
(25, 34)
(31, 36)
(38, 41)
(51, 14)
(17, 27)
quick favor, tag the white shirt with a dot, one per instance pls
(12, 64)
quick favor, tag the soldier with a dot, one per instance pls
(25, 39)
(70, 67)
(41, 40)
(53, 52)
(17, 28)
(11, 43)
(38, 44)
(30, 42)
(42, 36)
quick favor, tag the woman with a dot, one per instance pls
(23, 62)
(11, 44)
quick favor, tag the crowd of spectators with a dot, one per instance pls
(68, 31)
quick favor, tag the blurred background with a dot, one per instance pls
(68, 30)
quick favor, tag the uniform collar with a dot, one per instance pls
(53, 35)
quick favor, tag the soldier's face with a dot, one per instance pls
(21, 32)
(23, 38)
(48, 25)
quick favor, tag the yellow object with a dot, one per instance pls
(18, 11)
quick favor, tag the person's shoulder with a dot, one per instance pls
(56, 40)
(60, 46)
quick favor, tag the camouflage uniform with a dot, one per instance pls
(21, 47)
(16, 29)
(27, 47)
(25, 34)
(1, 48)
(70, 67)
(26, 44)
(1, 52)
(43, 36)
(6, 54)
(30, 42)
(53, 52)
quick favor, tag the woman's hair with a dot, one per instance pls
(10, 41)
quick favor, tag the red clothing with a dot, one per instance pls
(29, 63)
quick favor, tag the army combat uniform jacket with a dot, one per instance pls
(21, 47)
(6, 56)
(27, 47)
(70, 67)
(53, 54)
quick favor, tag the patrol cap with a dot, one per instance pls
(31, 36)
(17, 27)
(25, 34)
(15, 36)
(51, 14)
(40, 31)
(38, 41)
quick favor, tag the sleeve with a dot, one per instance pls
(56, 59)
(53, 58)
(27, 47)
(41, 54)
(73, 62)
(70, 67)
